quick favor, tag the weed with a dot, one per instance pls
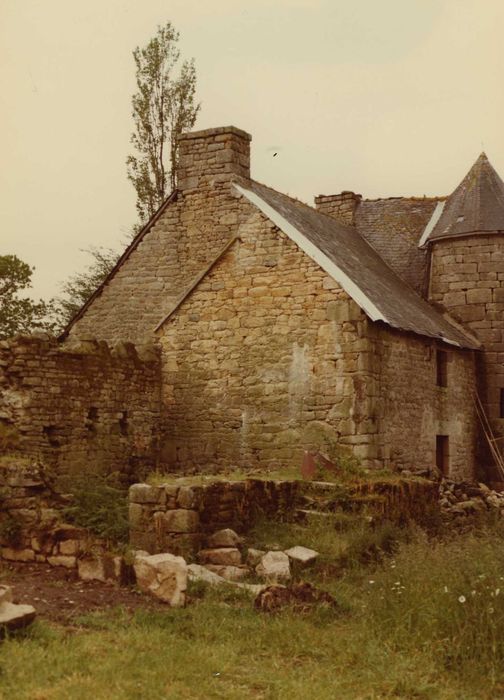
(99, 504)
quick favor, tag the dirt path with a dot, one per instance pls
(60, 596)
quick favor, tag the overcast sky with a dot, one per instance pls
(383, 97)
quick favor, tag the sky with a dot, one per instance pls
(385, 98)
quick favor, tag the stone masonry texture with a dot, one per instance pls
(467, 279)
(79, 406)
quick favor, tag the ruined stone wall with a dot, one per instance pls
(175, 517)
(411, 409)
(264, 353)
(202, 217)
(81, 406)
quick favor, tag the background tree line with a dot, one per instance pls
(163, 107)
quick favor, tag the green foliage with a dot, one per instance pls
(163, 107)
(20, 314)
(77, 289)
(100, 505)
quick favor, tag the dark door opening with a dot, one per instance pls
(443, 453)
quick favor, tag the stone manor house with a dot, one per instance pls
(240, 322)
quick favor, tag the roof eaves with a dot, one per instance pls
(351, 287)
(132, 246)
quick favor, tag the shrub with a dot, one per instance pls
(99, 504)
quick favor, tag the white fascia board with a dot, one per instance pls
(436, 215)
(350, 287)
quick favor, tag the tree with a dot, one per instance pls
(163, 108)
(20, 314)
(79, 287)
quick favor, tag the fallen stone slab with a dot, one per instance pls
(274, 567)
(13, 616)
(224, 538)
(230, 573)
(196, 572)
(163, 576)
(223, 556)
(302, 555)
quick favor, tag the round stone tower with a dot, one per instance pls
(466, 242)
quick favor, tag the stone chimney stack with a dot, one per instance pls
(339, 206)
(212, 156)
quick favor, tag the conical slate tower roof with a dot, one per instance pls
(476, 206)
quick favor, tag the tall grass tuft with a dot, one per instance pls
(446, 597)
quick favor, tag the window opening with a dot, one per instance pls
(441, 368)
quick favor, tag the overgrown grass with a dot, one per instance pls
(424, 620)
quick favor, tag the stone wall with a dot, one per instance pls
(163, 260)
(266, 348)
(31, 527)
(411, 409)
(81, 406)
(467, 279)
(175, 517)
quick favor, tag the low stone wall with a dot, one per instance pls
(32, 526)
(82, 403)
(175, 518)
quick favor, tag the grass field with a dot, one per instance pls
(424, 621)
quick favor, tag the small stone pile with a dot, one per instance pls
(460, 502)
(165, 575)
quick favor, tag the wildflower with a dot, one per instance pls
(461, 599)
(446, 589)
(397, 583)
(371, 582)
(473, 592)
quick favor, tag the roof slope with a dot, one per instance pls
(476, 205)
(355, 265)
(393, 227)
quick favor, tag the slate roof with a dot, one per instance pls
(355, 265)
(476, 205)
(394, 227)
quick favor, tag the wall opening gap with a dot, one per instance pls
(443, 453)
(441, 368)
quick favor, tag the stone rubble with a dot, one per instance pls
(13, 616)
(163, 576)
(460, 502)
(274, 567)
(302, 555)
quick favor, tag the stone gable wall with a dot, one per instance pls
(411, 409)
(188, 235)
(266, 348)
(81, 406)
